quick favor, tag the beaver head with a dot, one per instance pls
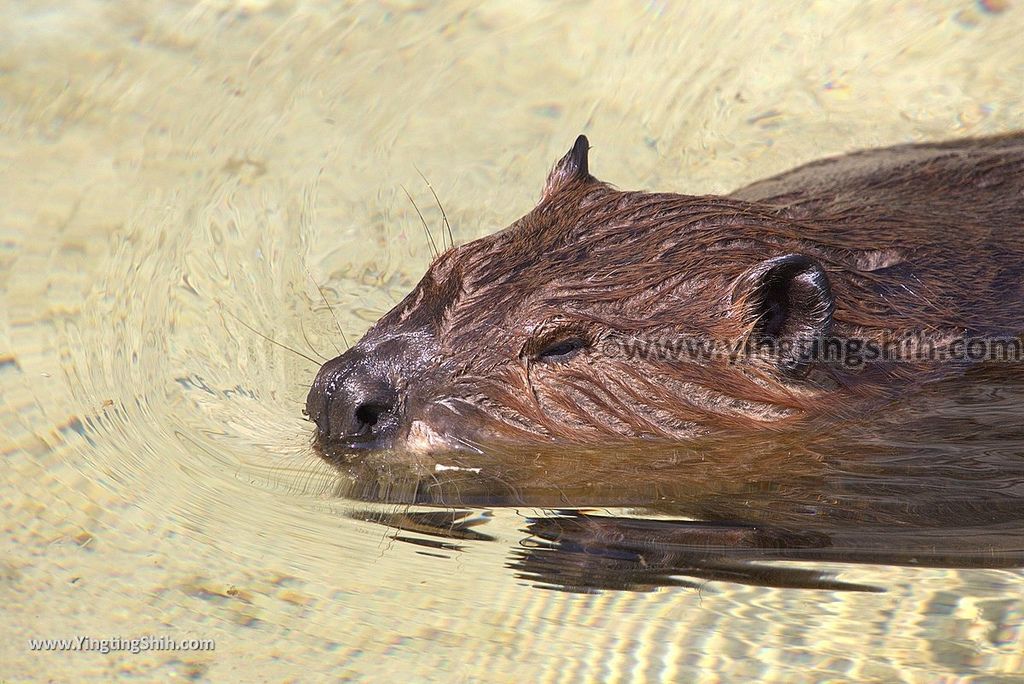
(543, 331)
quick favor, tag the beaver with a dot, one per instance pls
(542, 332)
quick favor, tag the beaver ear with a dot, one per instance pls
(787, 304)
(573, 166)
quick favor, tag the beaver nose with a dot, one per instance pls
(353, 405)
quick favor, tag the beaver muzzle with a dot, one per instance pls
(354, 403)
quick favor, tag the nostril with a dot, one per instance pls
(353, 406)
(369, 413)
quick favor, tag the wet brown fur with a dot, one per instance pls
(917, 238)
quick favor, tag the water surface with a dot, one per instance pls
(173, 175)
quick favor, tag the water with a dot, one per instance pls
(172, 176)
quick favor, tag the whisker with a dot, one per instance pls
(433, 245)
(270, 339)
(444, 216)
(333, 315)
(309, 344)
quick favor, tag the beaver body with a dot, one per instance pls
(565, 327)
(943, 223)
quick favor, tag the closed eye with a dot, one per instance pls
(561, 350)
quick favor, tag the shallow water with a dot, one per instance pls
(172, 178)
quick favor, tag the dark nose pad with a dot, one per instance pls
(367, 414)
(352, 406)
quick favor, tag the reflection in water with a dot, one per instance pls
(936, 482)
(586, 553)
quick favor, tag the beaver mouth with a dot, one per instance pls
(355, 443)
(444, 427)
